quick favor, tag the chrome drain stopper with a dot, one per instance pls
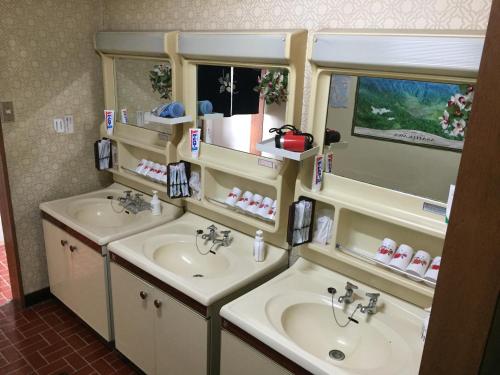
(197, 275)
(336, 355)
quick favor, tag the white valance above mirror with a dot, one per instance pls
(132, 43)
(453, 55)
(256, 46)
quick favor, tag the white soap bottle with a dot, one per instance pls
(259, 246)
(155, 204)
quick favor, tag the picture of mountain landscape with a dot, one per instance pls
(416, 112)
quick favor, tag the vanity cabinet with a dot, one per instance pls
(77, 276)
(154, 330)
(237, 357)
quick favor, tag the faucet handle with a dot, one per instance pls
(225, 233)
(350, 286)
(127, 193)
(138, 195)
(373, 296)
(212, 228)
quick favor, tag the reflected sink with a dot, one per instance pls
(365, 346)
(181, 257)
(100, 212)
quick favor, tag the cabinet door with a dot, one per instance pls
(133, 318)
(88, 282)
(237, 357)
(57, 252)
(181, 338)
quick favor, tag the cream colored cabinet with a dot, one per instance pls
(155, 331)
(237, 357)
(77, 277)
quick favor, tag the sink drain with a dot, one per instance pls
(198, 275)
(336, 355)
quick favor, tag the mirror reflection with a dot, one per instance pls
(141, 85)
(250, 101)
(400, 134)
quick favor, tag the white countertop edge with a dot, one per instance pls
(179, 283)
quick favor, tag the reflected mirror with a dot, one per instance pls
(141, 85)
(400, 134)
(248, 101)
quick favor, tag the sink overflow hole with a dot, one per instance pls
(197, 275)
(336, 355)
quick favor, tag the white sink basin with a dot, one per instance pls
(181, 257)
(100, 212)
(99, 216)
(292, 313)
(169, 253)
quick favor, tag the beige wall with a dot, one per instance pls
(305, 14)
(48, 67)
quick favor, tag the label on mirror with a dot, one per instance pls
(434, 209)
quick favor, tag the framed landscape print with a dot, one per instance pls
(434, 114)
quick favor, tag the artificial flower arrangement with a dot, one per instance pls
(273, 86)
(161, 80)
(456, 116)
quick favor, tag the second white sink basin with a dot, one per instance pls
(180, 257)
(169, 253)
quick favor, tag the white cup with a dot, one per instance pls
(244, 200)
(264, 206)
(233, 196)
(271, 213)
(140, 167)
(147, 167)
(418, 264)
(253, 206)
(386, 250)
(402, 258)
(433, 271)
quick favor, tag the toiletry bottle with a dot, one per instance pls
(258, 247)
(155, 204)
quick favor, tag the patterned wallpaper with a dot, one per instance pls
(304, 14)
(48, 68)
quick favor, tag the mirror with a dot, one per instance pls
(250, 101)
(400, 134)
(141, 85)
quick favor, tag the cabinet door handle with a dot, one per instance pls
(73, 248)
(143, 294)
(157, 303)
(64, 243)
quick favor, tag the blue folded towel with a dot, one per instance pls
(172, 110)
(205, 107)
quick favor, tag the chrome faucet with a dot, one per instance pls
(349, 291)
(134, 205)
(371, 308)
(213, 236)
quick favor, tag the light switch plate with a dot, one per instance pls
(7, 112)
(59, 125)
(68, 124)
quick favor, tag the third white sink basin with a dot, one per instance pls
(292, 314)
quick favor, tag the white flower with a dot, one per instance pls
(445, 120)
(459, 127)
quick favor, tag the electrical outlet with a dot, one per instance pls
(59, 125)
(68, 124)
(7, 112)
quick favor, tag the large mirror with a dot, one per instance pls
(401, 134)
(249, 101)
(141, 85)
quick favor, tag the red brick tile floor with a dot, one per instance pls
(47, 338)
(5, 290)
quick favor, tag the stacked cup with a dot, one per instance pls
(418, 265)
(432, 273)
(386, 251)
(402, 257)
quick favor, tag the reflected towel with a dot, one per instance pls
(205, 107)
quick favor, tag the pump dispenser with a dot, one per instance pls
(155, 204)
(258, 246)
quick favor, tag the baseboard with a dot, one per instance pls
(38, 296)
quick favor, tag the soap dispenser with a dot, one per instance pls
(155, 204)
(258, 246)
